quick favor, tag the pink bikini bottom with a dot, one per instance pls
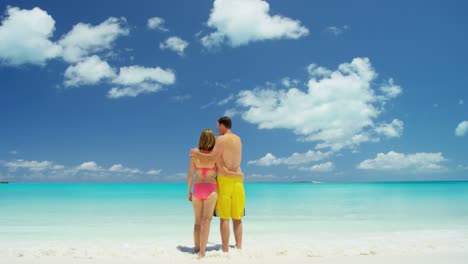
(202, 190)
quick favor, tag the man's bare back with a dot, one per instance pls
(231, 157)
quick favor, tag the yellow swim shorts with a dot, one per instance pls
(231, 198)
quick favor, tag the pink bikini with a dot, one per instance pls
(202, 190)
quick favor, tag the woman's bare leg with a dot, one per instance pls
(208, 207)
(198, 212)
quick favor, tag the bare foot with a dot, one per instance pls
(200, 255)
(196, 250)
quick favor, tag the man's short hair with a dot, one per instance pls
(225, 121)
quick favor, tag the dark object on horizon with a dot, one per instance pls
(3, 182)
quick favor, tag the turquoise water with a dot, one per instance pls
(132, 211)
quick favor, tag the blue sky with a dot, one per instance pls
(324, 91)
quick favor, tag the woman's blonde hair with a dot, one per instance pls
(207, 140)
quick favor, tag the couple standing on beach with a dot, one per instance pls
(218, 187)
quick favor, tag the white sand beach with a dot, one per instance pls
(411, 247)
(79, 256)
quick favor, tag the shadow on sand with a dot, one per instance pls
(209, 247)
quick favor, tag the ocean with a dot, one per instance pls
(319, 219)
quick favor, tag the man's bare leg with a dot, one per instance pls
(224, 228)
(237, 224)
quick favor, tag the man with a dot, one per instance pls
(227, 153)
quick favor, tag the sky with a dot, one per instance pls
(328, 91)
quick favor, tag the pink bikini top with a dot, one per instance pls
(205, 170)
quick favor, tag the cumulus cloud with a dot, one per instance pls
(390, 90)
(393, 129)
(337, 111)
(322, 167)
(316, 71)
(230, 112)
(89, 166)
(462, 129)
(157, 23)
(135, 80)
(121, 168)
(85, 39)
(175, 44)
(295, 159)
(90, 71)
(288, 82)
(25, 37)
(31, 170)
(399, 161)
(240, 22)
(32, 165)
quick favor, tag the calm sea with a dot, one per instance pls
(134, 211)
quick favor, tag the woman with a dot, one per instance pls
(205, 193)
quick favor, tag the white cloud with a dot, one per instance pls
(460, 102)
(213, 102)
(86, 171)
(153, 172)
(295, 159)
(390, 90)
(175, 44)
(25, 37)
(398, 161)
(137, 74)
(89, 166)
(337, 30)
(316, 71)
(338, 109)
(288, 82)
(462, 129)
(226, 100)
(393, 129)
(123, 169)
(242, 21)
(134, 91)
(157, 23)
(135, 80)
(322, 167)
(90, 71)
(85, 39)
(260, 176)
(32, 165)
(230, 112)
